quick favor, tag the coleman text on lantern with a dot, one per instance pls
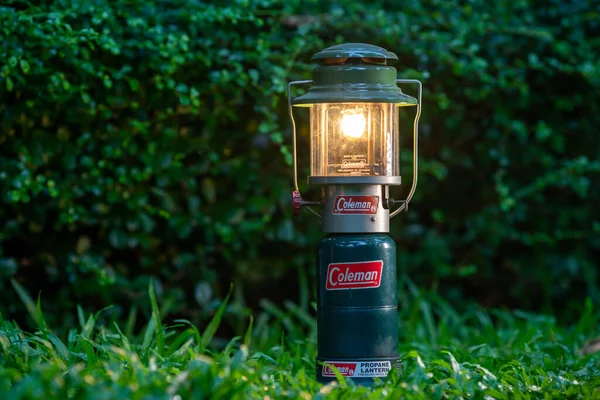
(353, 103)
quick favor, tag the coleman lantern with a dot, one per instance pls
(354, 102)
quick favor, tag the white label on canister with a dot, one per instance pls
(357, 369)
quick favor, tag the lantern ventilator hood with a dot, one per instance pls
(354, 73)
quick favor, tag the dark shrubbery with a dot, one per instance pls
(150, 138)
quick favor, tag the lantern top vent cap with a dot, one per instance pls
(354, 50)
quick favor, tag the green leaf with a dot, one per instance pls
(9, 84)
(209, 190)
(134, 84)
(24, 66)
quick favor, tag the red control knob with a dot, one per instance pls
(296, 202)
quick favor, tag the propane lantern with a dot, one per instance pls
(354, 156)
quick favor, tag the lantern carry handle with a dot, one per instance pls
(404, 205)
(291, 111)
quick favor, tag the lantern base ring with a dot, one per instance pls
(355, 180)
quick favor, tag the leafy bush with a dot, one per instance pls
(150, 138)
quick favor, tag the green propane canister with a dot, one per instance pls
(357, 313)
(354, 140)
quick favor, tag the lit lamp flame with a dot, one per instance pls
(353, 125)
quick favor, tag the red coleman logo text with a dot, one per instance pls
(356, 205)
(346, 369)
(360, 275)
(358, 369)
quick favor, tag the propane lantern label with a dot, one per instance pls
(345, 205)
(358, 275)
(358, 369)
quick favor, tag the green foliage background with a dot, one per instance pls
(150, 138)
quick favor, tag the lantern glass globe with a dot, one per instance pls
(354, 139)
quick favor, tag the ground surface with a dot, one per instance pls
(446, 355)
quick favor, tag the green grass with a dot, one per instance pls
(479, 354)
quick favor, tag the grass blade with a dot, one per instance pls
(160, 339)
(211, 329)
(80, 316)
(40, 315)
(192, 327)
(32, 309)
(88, 328)
(124, 339)
(131, 320)
(60, 347)
(148, 335)
(248, 335)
